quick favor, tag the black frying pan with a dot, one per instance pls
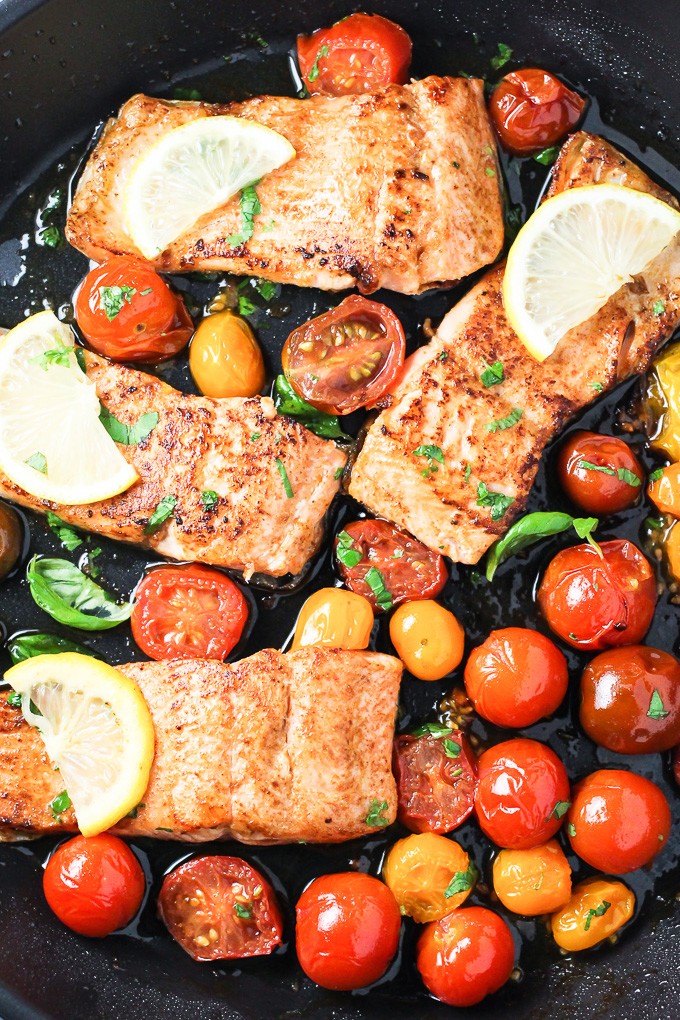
(65, 65)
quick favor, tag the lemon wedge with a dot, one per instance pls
(97, 730)
(52, 443)
(192, 170)
(574, 253)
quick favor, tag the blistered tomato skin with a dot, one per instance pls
(618, 821)
(599, 473)
(630, 700)
(522, 793)
(225, 359)
(335, 618)
(596, 910)
(428, 638)
(423, 870)
(436, 780)
(534, 881)
(531, 109)
(466, 956)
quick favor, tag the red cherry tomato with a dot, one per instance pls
(436, 775)
(358, 54)
(94, 885)
(127, 312)
(531, 109)
(594, 601)
(516, 677)
(220, 908)
(466, 956)
(618, 821)
(522, 793)
(347, 357)
(188, 612)
(601, 474)
(407, 568)
(347, 930)
(630, 700)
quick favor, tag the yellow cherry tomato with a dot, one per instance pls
(334, 617)
(428, 639)
(224, 357)
(597, 908)
(535, 881)
(664, 399)
(429, 875)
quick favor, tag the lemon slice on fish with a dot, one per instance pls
(97, 730)
(574, 253)
(192, 170)
(52, 443)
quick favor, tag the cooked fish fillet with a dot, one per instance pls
(235, 447)
(442, 401)
(273, 749)
(396, 188)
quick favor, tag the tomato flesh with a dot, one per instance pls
(532, 109)
(357, 54)
(188, 612)
(436, 780)
(346, 358)
(220, 908)
(601, 474)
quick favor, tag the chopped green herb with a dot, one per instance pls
(375, 815)
(162, 828)
(587, 465)
(432, 453)
(135, 811)
(288, 402)
(462, 881)
(61, 803)
(455, 165)
(451, 748)
(376, 582)
(492, 375)
(93, 569)
(314, 70)
(571, 829)
(243, 911)
(250, 207)
(443, 356)
(513, 221)
(112, 299)
(654, 475)
(14, 699)
(505, 423)
(147, 290)
(434, 728)
(655, 523)
(287, 487)
(597, 386)
(67, 535)
(55, 356)
(345, 551)
(538, 884)
(498, 502)
(629, 477)
(596, 912)
(572, 636)
(80, 358)
(245, 305)
(209, 499)
(255, 436)
(656, 708)
(547, 156)
(278, 437)
(533, 528)
(503, 56)
(160, 514)
(658, 308)
(183, 93)
(489, 171)
(560, 809)
(466, 474)
(266, 289)
(128, 435)
(38, 461)
(337, 474)
(51, 236)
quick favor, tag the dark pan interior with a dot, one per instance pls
(64, 66)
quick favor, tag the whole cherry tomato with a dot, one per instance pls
(597, 909)
(532, 109)
(533, 881)
(188, 612)
(225, 359)
(94, 885)
(618, 821)
(428, 639)
(664, 489)
(599, 597)
(429, 875)
(516, 677)
(630, 700)
(387, 566)
(522, 793)
(336, 618)
(466, 956)
(347, 930)
(127, 312)
(357, 54)
(601, 474)
(220, 908)
(436, 775)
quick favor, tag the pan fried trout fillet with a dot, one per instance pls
(275, 748)
(397, 188)
(236, 447)
(441, 400)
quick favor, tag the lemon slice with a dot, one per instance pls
(52, 443)
(192, 170)
(574, 253)
(97, 730)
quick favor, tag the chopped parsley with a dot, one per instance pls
(656, 708)
(55, 356)
(489, 171)
(654, 476)
(245, 306)
(51, 236)
(244, 911)
(505, 423)
(287, 487)
(255, 436)
(337, 474)
(597, 386)
(432, 453)
(502, 57)
(67, 535)
(128, 435)
(435, 729)
(112, 299)
(14, 699)
(560, 809)
(209, 499)
(345, 551)
(61, 803)
(250, 207)
(492, 375)
(547, 156)
(314, 70)
(266, 289)
(497, 502)
(376, 582)
(466, 474)
(658, 308)
(443, 356)
(596, 912)
(38, 461)
(462, 881)
(161, 514)
(375, 816)
(451, 748)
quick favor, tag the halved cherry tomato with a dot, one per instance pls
(127, 312)
(429, 875)
(188, 612)
(428, 639)
(597, 909)
(357, 54)
(225, 359)
(336, 618)
(347, 930)
(95, 885)
(664, 490)
(387, 566)
(531, 109)
(533, 881)
(522, 793)
(220, 908)
(601, 474)
(516, 677)
(630, 700)
(595, 601)
(466, 956)
(618, 821)
(347, 357)
(436, 775)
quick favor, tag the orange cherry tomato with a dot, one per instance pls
(346, 358)
(532, 109)
(436, 773)
(357, 54)
(664, 490)
(466, 956)
(336, 618)
(601, 474)
(671, 548)
(429, 875)
(225, 359)
(618, 821)
(597, 909)
(428, 639)
(533, 881)
(127, 312)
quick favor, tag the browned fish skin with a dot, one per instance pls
(397, 188)
(441, 401)
(273, 749)
(230, 446)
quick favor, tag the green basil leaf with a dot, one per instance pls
(61, 803)
(128, 435)
(375, 815)
(161, 514)
(288, 402)
(345, 551)
(67, 535)
(71, 598)
(25, 646)
(533, 528)
(462, 881)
